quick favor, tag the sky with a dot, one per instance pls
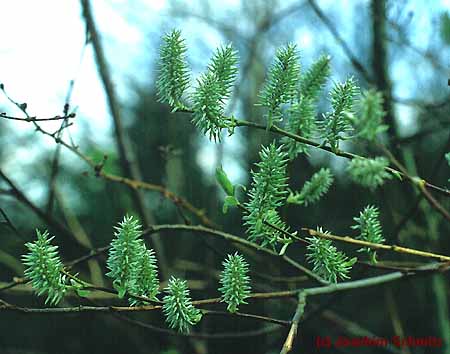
(43, 49)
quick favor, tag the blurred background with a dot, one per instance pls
(47, 59)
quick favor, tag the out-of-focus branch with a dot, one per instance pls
(129, 164)
(345, 47)
(50, 221)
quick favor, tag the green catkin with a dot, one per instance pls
(44, 268)
(235, 282)
(173, 73)
(178, 309)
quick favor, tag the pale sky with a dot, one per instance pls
(42, 46)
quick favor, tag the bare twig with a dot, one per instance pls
(288, 343)
(36, 119)
(378, 246)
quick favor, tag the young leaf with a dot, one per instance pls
(224, 182)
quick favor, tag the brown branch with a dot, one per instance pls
(420, 183)
(332, 288)
(132, 183)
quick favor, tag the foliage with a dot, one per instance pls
(235, 282)
(327, 261)
(178, 309)
(370, 173)
(369, 227)
(314, 189)
(44, 268)
(281, 83)
(173, 76)
(267, 193)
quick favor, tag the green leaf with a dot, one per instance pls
(229, 201)
(224, 182)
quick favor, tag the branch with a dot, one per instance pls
(345, 47)
(50, 221)
(378, 246)
(132, 183)
(236, 239)
(288, 343)
(35, 119)
(332, 288)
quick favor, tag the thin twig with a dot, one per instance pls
(378, 246)
(288, 343)
(36, 119)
